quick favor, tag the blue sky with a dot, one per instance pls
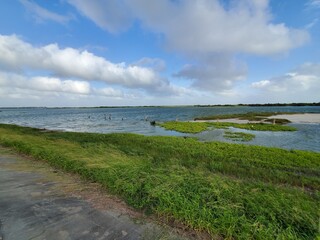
(163, 52)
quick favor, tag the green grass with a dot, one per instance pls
(231, 191)
(185, 127)
(253, 126)
(238, 136)
(196, 127)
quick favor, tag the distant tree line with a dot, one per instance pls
(281, 104)
(262, 105)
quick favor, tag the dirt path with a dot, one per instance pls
(38, 202)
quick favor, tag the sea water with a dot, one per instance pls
(137, 120)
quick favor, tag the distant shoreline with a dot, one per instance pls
(200, 105)
(293, 118)
(300, 118)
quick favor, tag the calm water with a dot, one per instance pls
(136, 120)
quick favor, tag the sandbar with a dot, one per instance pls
(300, 118)
(294, 118)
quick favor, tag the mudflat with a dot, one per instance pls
(38, 202)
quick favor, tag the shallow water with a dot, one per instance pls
(306, 138)
(137, 120)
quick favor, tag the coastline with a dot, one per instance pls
(313, 118)
(300, 118)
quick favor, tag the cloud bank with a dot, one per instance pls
(69, 62)
(27, 69)
(206, 32)
(216, 73)
(299, 84)
(213, 38)
(200, 26)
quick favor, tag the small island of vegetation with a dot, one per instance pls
(197, 127)
(250, 116)
(239, 136)
(204, 123)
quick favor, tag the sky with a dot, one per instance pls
(71, 53)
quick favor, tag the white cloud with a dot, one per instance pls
(49, 72)
(111, 15)
(16, 55)
(202, 26)
(16, 83)
(48, 84)
(302, 83)
(109, 92)
(216, 73)
(42, 14)
(313, 4)
(200, 29)
(261, 84)
(20, 90)
(153, 63)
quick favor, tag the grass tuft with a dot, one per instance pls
(238, 136)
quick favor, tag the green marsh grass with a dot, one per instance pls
(230, 191)
(185, 127)
(239, 136)
(196, 127)
(253, 126)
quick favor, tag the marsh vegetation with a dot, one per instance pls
(196, 127)
(230, 191)
(239, 136)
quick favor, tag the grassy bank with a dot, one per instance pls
(228, 190)
(196, 127)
